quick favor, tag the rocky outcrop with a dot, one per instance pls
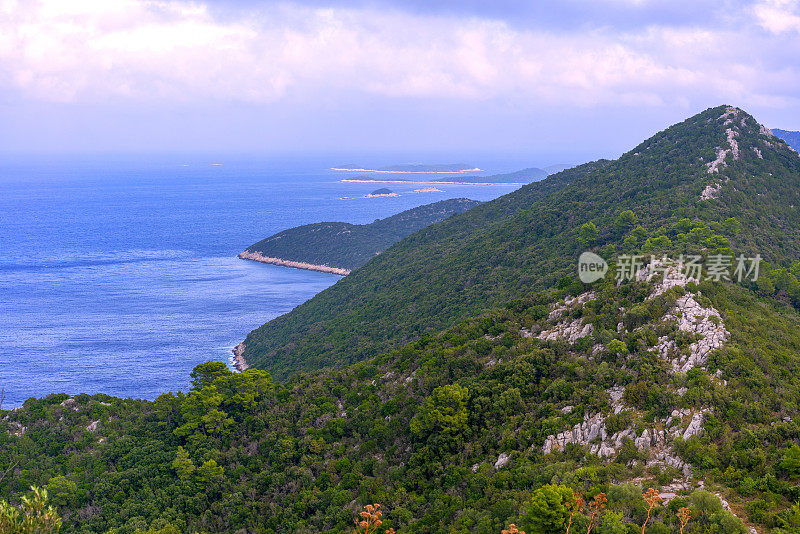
(693, 318)
(656, 440)
(237, 360)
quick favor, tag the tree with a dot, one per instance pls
(791, 460)
(547, 511)
(625, 221)
(588, 233)
(61, 490)
(205, 374)
(444, 411)
(202, 416)
(183, 465)
(209, 472)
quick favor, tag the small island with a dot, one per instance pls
(382, 192)
(428, 190)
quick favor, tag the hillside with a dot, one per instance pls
(688, 389)
(348, 246)
(792, 138)
(717, 165)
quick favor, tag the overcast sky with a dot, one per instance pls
(562, 80)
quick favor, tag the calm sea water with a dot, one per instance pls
(119, 275)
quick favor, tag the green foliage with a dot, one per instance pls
(61, 490)
(791, 461)
(546, 512)
(32, 516)
(444, 411)
(183, 465)
(625, 221)
(588, 233)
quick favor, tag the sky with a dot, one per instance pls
(555, 82)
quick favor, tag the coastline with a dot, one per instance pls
(257, 256)
(433, 182)
(239, 363)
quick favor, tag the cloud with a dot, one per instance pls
(89, 51)
(778, 16)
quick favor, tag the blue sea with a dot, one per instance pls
(119, 274)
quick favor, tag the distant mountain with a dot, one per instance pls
(524, 176)
(345, 246)
(792, 138)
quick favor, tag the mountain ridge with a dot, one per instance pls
(527, 240)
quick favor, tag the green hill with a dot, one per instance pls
(466, 430)
(349, 246)
(529, 239)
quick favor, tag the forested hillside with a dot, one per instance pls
(349, 246)
(716, 165)
(497, 420)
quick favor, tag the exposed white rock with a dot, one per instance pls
(732, 142)
(569, 329)
(710, 192)
(501, 460)
(92, 426)
(758, 153)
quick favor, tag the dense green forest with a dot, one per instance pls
(349, 246)
(529, 239)
(498, 388)
(447, 433)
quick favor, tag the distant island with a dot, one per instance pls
(521, 177)
(339, 247)
(428, 190)
(448, 168)
(382, 192)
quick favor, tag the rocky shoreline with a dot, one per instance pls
(257, 256)
(239, 363)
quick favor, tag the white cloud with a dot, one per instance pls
(778, 16)
(101, 50)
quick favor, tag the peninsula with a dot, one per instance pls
(339, 247)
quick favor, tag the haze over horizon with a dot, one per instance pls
(566, 81)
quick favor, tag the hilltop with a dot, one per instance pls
(344, 246)
(717, 165)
